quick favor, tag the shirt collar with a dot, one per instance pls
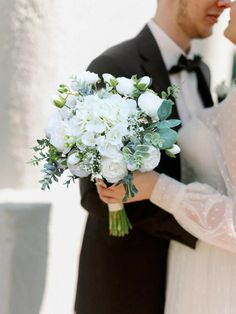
(169, 49)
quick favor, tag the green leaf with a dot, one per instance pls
(142, 148)
(168, 153)
(142, 87)
(169, 138)
(148, 137)
(113, 82)
(165, 110)
(164, 95)
(171, 123)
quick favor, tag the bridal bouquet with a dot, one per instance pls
(107, 133)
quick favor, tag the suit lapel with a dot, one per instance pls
(152, 63)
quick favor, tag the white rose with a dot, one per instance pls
(73, 159)
(150, 103)
(174, 150)
(113, 170)
(125, 86)
(87, 77)
(146, 80)
(75, 167)
(108, 77)
(132, 106)
(77, 171)
(152, 161)
(55, 131)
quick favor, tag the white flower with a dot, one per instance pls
(96, 126)
(131, 167)
(71, 101)
(174, 150)
(77, 171)
(108, 77)
(125, 86)
(73, 159)
(88, 139)
(108, 150)
(87, 77)
(146, 80)
(75, 167)
(75, 86)
(132, 106)
(113, 170)
(152, 161)
(55, 131)
(116, 134)
(150, 103)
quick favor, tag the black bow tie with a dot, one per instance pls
(194, 65)
(189, 65)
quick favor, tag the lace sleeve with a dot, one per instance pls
(199, 208)
(225, 134)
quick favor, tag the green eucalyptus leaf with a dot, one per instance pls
(171, 123)
(165, 110)
(169, 138)
(142, 148)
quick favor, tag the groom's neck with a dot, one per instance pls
(172, 29)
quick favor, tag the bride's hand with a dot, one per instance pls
(144, 183)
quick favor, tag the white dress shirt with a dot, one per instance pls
(188, 100)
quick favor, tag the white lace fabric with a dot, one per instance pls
(207, 211)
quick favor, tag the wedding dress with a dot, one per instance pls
(203, 281)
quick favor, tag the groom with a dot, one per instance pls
(128, 275)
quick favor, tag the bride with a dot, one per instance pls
(201, 281)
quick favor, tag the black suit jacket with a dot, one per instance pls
(130, 271)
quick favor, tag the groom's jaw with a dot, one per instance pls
(213, 18)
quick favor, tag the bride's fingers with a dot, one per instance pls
(106, 193)
(100, 182)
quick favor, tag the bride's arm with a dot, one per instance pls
(200, 209)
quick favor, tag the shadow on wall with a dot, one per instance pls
(23, 256)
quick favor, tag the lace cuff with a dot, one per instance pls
(167, 193)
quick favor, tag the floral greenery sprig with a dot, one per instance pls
(107, 133)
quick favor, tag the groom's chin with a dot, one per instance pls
(204, 33)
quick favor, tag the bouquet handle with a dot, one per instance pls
(119, 224)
